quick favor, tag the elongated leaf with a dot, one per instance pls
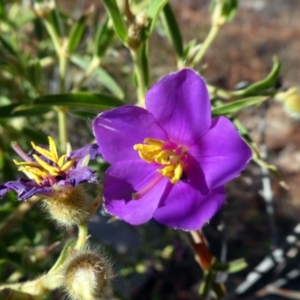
(264, 84)
(153, 11)
(78, 100)
(34, 72)
(63, 256)
(84, 114)
(8, 45)
(76, 33)
(103, 38)
(102, 76)
(20, 110)
(143, 52)
(231, 267)
(113, 10)
(173, 30)
(235, 106)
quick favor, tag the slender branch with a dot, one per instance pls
(94, 63)
(141, 80)
(206, 44)
(62, 128)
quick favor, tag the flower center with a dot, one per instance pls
(46, 167)
(170, 157)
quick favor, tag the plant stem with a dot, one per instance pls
(62, 127)
(60, 50)
(206, 44)
(82, 236)
(140, 77)
(94, 63)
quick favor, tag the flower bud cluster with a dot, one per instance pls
(135, 30)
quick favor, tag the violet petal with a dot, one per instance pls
(221, 153)
(180, 104)
(90, 149)
(81, 175)
(184, 207)
(123, 179)
(118, 130)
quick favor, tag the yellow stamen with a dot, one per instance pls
(61, 160)
(68, 164)
(171, 156)
(41, 170)
(52, 148)
(53, 171)
(41, 151)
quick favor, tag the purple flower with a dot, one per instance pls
(49, 174)
(170, 160)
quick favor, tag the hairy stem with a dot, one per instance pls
(82, 236)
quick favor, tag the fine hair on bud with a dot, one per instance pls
(87, 274)
(68, 207)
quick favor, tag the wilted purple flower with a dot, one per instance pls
(49, 174)
(170, 160)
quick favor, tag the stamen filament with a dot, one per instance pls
(147, 187)
(20, 152)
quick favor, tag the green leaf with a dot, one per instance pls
(76, 33)
(78, 100)
(34, 72)
(235, 106)
(21, 110)
(103, 38)
(173, 30)
(86, 115)
(264, 84)
(119, 26)
(231, 267)
(101, 75)
(8, 45)
(54, 18)
(153, 11)
(143, 52)
(63, 256)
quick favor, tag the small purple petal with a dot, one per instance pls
(123, 179)
(221, 153)
(81, 175)
(25, 188)
(183, 206)
(91, 149)
(180, 104)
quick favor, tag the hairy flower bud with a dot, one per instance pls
(87, 275)
(68, 207)
(291, 101)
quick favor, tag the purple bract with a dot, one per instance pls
(170, 160)
(51, 175)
